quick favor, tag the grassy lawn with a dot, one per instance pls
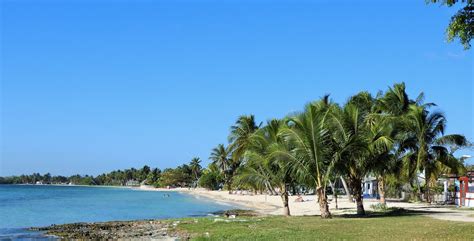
(338, 228)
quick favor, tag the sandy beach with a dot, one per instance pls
(272, 205)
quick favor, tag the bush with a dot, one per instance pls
(209, 180)
(379, 207)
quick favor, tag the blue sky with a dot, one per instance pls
(93, 86)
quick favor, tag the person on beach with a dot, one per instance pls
(299, 199)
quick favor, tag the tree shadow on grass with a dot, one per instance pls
(392, 212)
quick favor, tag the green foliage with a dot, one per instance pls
(177, 177)
(389, 136)
(461, 25)
(114, 178)
(210, 180)
(221, 158)
(153, 177)
(393, 185)
(240, 135)
(267, 166)
(379, 207)
(437, 189)
(196, 168)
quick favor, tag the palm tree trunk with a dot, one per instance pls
(356, 186)
(229, 186)
(360, 205)
(416, 185)
(381, 186)
(427, 186)
(323, 203)
(284, 198)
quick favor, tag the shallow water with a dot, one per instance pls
(23, 206)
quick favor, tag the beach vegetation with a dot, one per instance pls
(221, 157)
(461, 25)
(389, 136)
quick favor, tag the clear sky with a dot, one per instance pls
(93, 86)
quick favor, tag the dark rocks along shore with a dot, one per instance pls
(143, 229)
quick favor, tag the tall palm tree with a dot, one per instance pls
(430, 150)
(351, 140)
(390, 111)
(221, 157)
(267, 166)
(307, 132)
(363, 142)
(196, 168)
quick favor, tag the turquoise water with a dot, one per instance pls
(23, 206)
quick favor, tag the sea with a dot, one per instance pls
(24, 206)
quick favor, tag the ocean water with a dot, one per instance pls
(23, 206)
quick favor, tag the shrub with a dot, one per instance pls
(209, 180)
(379, 207)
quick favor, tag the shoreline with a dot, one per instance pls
(221, 197)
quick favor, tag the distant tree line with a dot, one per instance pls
(185, 175)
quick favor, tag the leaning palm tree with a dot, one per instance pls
(221, 157)
(311, 154)
(196, 168)
(430, 149)
(266, 167)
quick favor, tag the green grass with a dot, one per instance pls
(338, 228)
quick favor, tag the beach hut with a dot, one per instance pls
(132, 183)
(465, 190)
(370, 187)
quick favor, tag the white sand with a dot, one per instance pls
(272, 205)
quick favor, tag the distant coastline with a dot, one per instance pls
(68, 185)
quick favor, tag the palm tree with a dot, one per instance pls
(382, 159)
(391, 109)
(267, 166)
(351, 140)
(240, 135)
(363, 142)
(221, 157)
(429, 150)
(196, 168)
(312, 153)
